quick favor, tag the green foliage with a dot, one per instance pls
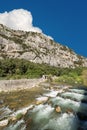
(65, 79)
(19, 68)
(70, 76)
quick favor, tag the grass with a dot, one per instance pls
(70, 80)
(73, 78)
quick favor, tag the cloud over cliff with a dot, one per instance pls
(19, 19)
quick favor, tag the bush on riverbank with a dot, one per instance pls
(71, 80)
(17, 69)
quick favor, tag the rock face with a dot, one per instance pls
(37, 48)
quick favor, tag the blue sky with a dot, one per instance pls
(64, 20)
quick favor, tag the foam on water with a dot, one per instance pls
(42, 112)
(51, 94)
(79, 91)
(48, 119)
(64, 122)
(42, 98)
(74, 96)
(66, 104)
(16, 126)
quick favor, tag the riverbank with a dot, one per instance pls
(20, 84)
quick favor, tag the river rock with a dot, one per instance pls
(3, 122)
(58, 109)
(14, 118)
(41, 100)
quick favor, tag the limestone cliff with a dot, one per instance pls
(37, 48)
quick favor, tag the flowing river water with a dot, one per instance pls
(72, 114)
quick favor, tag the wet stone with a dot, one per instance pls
(58, 109)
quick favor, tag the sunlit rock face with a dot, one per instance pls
(38, 48)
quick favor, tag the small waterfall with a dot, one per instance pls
(74, 96)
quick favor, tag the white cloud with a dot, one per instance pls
(18, 19)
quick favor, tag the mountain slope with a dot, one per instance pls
(37, 48)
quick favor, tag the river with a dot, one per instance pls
(60, 109)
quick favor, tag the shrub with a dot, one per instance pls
(18, 68)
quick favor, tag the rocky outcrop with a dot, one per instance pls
(37, 48)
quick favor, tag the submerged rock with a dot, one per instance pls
(69, 111)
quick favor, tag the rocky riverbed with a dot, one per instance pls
(56, 108)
